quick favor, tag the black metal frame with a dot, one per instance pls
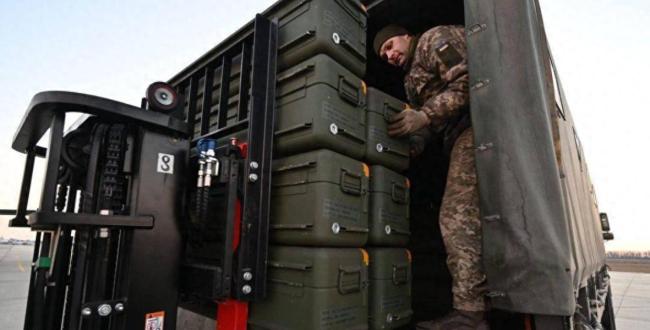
(253, 177)
(257, 194)
(248, 181)
(51, 270)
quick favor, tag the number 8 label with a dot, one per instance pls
(165, 164)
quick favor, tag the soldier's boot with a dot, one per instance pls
(457, 320)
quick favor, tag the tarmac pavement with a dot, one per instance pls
(15, 263)
(631, 292)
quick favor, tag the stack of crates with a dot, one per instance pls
(326, 203)
(389, 232)
(317, 271)
(339, 208)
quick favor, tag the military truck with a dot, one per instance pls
(258, 187)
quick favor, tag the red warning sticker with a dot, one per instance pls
(154, 321)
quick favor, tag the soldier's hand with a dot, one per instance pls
(407, 121)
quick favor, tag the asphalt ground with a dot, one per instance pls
(631, 292)
(15, 263)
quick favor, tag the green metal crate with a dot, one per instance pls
(389, 208)
(334, 27)
(390, 288)
(314, 288)
(382, 149)
(319, 198)
(320, 105)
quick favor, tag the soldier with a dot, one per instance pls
(436, 84)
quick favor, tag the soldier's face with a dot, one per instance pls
(395, 50)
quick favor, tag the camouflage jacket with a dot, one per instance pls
(437, 80)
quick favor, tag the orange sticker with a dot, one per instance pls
(364, 87)
(154, 321)
(366, 170)
(366, 257)
(408, 183)
(409, 256)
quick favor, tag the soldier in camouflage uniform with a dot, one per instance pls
(437, 86)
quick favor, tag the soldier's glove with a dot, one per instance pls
(419, 140)
(407, 121)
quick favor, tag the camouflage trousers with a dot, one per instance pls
(460, 226)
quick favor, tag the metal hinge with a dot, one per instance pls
(476, 28)
(495, 294)
(485, 146)
(480, 84)
(492, 218)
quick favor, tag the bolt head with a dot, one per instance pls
(336, 228)
(104, 310)
(253, 177)
(379, 147)
(86, 311)
(336, 38)
(388, 229)
(334, 129)
(246, 289)
(119, 307)
(389, 318)
(248, 276)
(254, 165)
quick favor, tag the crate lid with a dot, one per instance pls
(390, 264)
(383, 104)
(321, 166)
(383, 180)
(319, 267)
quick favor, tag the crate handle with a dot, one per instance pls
(287, 283)
(307, 35)
(398, 231)
(348, 91)
(292, 129)
(388, 108)
(350, 182)
(351, 49)
(352, 136)
(399, 193)
(293, 167)
(299, 71)
(382, 148)
(337, 229)
(400, 274)
(349, 287)
(352, 12)
(305, 226)
(289, 265)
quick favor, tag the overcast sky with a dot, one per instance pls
(116, 48)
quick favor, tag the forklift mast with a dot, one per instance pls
(121, 235)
